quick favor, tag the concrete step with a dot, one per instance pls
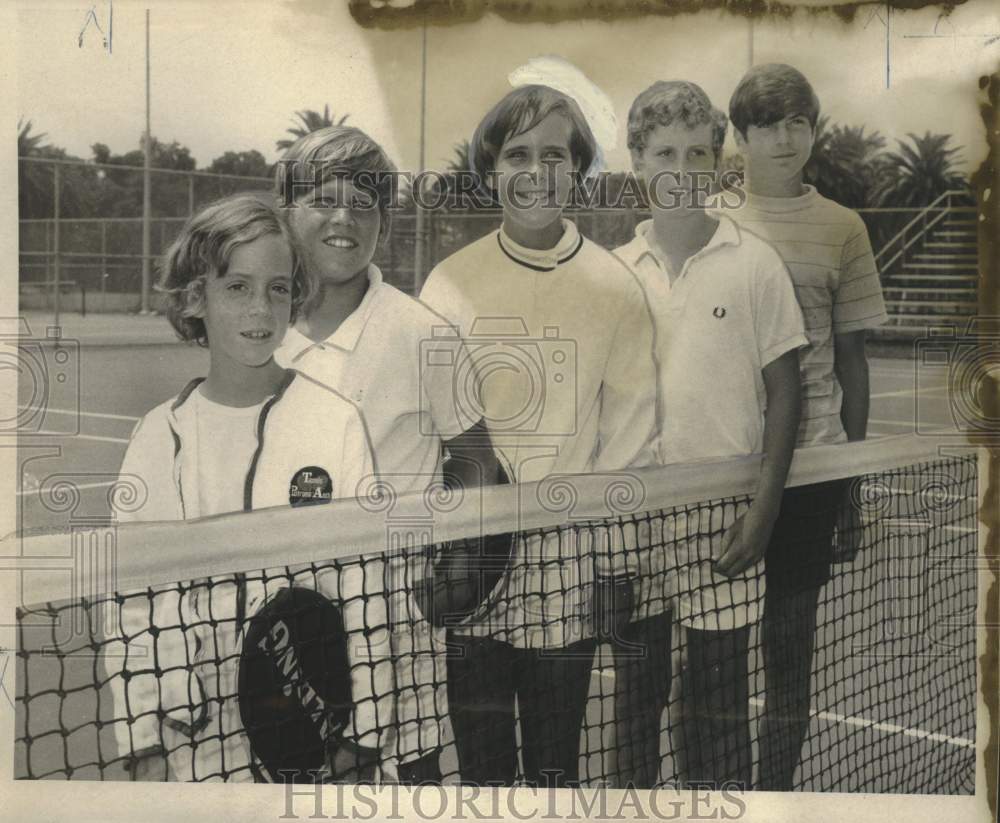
(900, 279)
(950, 246)
(970, 270)
(942, 291)
(907, 332)
(917, 306)
(946, 256)
(928, 319)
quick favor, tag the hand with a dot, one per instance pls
(149, 765)
(744, 543)
(351, 763)
(611, 607)
(850, 528)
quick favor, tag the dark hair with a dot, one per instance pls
(206, 244)
(337, 151)
(769, 93)
(667, 101)
(520, 111)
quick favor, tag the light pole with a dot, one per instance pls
(420, 228)
(147, 150)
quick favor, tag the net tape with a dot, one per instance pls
(156, 670)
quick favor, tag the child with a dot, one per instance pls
(536, 290)
(727, 331)
(827, 251)
(371, 342)
(249, 435)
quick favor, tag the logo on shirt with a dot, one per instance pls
(310, 486)
(719, 312)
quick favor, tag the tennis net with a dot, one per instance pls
(292, 644)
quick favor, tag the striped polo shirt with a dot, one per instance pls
(826, 249)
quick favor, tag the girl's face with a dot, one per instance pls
(535, 173)
(336, 227)
(247, 310)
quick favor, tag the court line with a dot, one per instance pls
(834, 717)
(26, 492)
(97, 437)
(911, 392)
(101, 415)
(890, 422)
(890, 728)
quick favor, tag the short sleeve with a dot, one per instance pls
(858, 303)
(778, 322)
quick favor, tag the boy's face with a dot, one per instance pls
(534, 173)
(678, 164)
(336, 227)
(247, 310)
(780, 150)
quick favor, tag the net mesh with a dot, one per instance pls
(601, 651)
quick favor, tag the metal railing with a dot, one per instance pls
(896, 248)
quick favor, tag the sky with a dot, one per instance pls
(229, 76)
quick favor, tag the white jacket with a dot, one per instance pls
(304, 426)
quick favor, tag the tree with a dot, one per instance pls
(27, 143)
(120, 191)
(846, 164)
(241, 163)
(308, 122)
(34, 192)
(36, 187)
(461, 159)
(920, 171)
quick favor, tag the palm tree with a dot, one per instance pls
(461, 161)
(846, 164)
(27, 143)
(35, 179)
(922, 170)
(308, 122)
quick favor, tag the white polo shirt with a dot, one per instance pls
(390, 358)
(829, 257)
(730, 311)
(561, 341)
(376, 360)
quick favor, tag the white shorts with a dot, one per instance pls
(672, 568)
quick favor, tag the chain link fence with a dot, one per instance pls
(99, 258)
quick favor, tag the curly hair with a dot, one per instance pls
(667, 101)
(205, 246)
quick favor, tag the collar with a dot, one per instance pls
(543, 259)
(783, 205)
(346, 337)
(727, 233)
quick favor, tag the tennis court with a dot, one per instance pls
(927, 695)
(118, 384)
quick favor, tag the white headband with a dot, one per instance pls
(595, 105)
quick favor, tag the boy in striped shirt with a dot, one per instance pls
(826, 249)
